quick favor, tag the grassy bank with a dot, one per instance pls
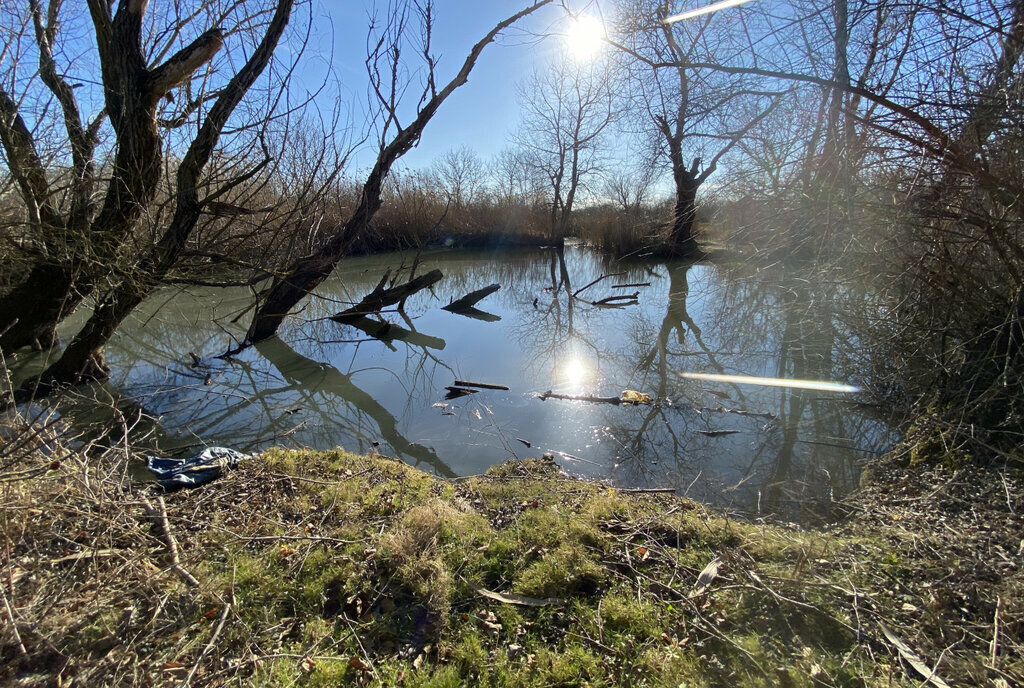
(327, 568)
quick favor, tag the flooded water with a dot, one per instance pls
(322, 384)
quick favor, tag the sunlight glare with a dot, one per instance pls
(816, 385)
(574, 372)
(714, 7)
(584, 37)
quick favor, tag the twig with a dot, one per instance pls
(160, 515)
(362, 649)
(588, 286)
(625, 299)
(14, 627)
(645, 490)
(993, 647)
(628, 286)
(209, 646)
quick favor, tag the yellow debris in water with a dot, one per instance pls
(631, 396)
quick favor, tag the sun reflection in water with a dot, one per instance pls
(573, 374)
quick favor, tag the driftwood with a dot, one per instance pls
(579, 397)
(628, 286)
(472, 298)
(456, 392)
(481, 385)
(628, 397)
(381, 297)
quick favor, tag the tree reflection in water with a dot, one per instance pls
(382, 379)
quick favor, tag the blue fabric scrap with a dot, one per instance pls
(172, 474)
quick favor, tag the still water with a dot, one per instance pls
(322, 384)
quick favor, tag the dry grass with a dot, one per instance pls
(320, 568)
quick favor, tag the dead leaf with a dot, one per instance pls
(522, 600)
(912, 657)
(706, 577)
(356, 662)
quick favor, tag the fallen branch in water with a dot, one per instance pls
(381, 297)
(628, 397)
(629, 286)
(579, 397)
(602, 277)
(481, 385)
(471, 299)
(623, 300)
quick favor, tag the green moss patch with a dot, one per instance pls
(329, 568)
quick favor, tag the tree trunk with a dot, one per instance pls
(30, 312)
(682, 241)
(83, 359)
(381, 297)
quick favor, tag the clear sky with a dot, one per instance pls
(480, 114)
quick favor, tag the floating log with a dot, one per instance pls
(382, 297)
(481, 385)
(579, 397)
(629, 286)
(472, 298)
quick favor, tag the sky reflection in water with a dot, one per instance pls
(323, 384)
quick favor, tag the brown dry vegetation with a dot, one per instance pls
(319, 568)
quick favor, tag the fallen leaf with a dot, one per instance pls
(706, 577)
(356, 662)
(522, 600)
(912, 657)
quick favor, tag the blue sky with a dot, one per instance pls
(480, 114)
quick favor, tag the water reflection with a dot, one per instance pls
(378, 383)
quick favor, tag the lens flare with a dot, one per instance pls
(816, 385)
(707, 9)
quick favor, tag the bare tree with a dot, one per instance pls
(157, 87)
(388, 84)
(513, 178)
(568, 108)
(697, 120)
(629, 187)
(461, 172)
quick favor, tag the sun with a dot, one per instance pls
(584, 37)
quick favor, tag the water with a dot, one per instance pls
(322, 384)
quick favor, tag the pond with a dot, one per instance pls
(749, 447)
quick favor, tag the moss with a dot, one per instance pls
(338, 556)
